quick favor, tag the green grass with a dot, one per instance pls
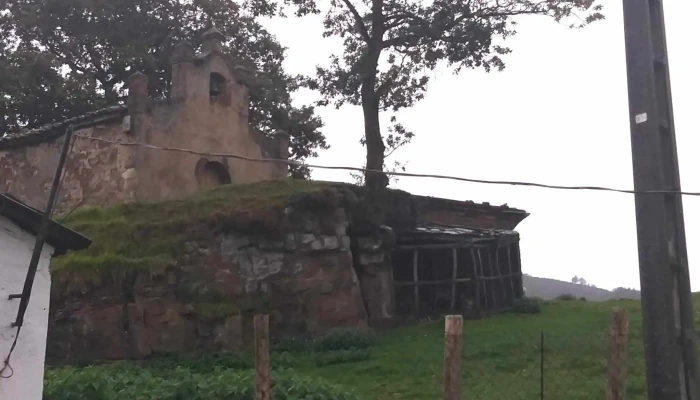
(501, 358)
(151, 236)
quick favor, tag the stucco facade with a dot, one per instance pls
(23, 375)
(207, 111)
(27, 360)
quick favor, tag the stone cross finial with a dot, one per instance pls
(212, 40)
(138, 99)
(138, 80)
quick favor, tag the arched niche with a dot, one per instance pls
(211, 174)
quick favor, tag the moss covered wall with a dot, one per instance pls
(187, 275)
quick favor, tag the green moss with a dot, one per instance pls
(216, 310)
(135, 237)
(137, 233)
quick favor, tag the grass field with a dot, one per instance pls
(501, 358)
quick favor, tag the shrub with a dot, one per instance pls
(196, 363)
(345, 339)
(107, 383)
(527, 305)
(342, 357)
(582, 299)
(282, 360)
(566, 297)
(293, 345)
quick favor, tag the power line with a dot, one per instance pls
(404, 174)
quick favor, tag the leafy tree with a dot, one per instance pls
(80, 52)
(390, 47)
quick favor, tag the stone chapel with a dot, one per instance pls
(207, 111)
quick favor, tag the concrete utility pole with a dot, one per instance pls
(663, 262)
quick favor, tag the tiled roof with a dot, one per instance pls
(434, 234)
(463, 231)
(51, 131)
(468, 204)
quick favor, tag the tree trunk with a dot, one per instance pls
(373, 141)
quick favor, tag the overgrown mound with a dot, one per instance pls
(151, 236)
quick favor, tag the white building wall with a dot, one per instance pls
(27, 360)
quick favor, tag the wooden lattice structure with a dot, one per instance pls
(456, 270)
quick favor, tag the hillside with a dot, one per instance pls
(549, 289)
(501, 360)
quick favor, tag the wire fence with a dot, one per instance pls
(528, 358)
(536, 366)
(585, 361)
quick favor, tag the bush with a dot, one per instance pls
(342, 357)
(566, 297)
(196, 363)
(346, 339)
(582, 299)
(282, 360)
(293, 345)
(527, 305)
(107, 383)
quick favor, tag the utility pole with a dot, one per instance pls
(663, 262)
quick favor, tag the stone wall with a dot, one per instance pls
(95, 172)
(305, 279)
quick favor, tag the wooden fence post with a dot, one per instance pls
(452, 385)
(617, 363)
(262, 357)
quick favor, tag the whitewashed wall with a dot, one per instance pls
(27, 360)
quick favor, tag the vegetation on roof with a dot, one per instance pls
(151, 236)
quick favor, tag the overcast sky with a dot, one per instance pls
(556, 115)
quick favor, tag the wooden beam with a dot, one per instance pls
(493, 287)
(437, 246)
(416, 299)
(519, 269)
(477, 283)
(503, 282)
(429, 283)
(483, 278)
(493, 278)
(509, 249)
(454, 279)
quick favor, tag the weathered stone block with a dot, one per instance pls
(345, 243)
(230, 245)
(329, 242)
(371, 258)
(369, 243)
(265, 244)
(290, 242)
(306, 238)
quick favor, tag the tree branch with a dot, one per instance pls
(358, 20)
(390, 80)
